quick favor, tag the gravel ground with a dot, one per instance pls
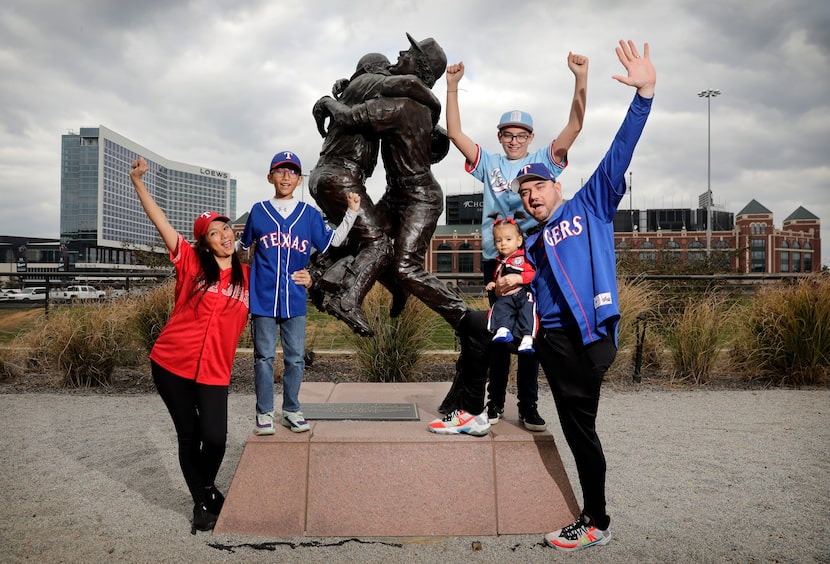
(694, 476)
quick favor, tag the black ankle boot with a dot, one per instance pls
(203, 519)
(214, 500)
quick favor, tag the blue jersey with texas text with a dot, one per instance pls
(283, 246)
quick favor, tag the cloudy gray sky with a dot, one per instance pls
(227, 83)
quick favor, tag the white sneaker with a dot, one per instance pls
(295, 421)
(526, 346)
(577, 535)
(264, 423)
(459, 421)
(503, 335)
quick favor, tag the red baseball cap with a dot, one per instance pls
(200, 226)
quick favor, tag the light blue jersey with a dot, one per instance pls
(496, 172)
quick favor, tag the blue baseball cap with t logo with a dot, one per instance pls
(531, 171)
(284, 158)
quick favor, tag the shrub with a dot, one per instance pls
(151, 311)
(85, 343)
(696, 334)
(395, 351)
(639, 302)
(785, 333)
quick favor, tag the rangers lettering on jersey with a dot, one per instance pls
(284, 240)
(555, 234)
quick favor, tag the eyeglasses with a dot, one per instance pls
(289, 171)
(521, 137)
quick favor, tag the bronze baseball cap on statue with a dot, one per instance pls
(433, 52)
(200, 226)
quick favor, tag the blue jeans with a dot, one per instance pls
(292, 334)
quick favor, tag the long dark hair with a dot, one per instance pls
(210, 272)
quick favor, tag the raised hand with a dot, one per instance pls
(641, 73)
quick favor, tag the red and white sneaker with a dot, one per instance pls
(576, 536)
(459, 421)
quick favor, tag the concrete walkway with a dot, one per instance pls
(694, 476)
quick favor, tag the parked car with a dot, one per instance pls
(7, 293)
(79, 293)
(34, 294)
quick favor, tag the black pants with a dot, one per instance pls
(200, 415)
(527, 369)
(575, 373)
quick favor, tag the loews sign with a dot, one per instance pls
(213, 173)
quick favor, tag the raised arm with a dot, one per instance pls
(562, 144)
(463, 143)
(169, 235)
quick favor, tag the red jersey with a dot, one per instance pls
(199, 341)
(516, 263)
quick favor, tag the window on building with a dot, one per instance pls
(757, 255)
(444, 257)
(671, 252)
(648, 254)
(796, 256)
(466, 258)
(721, 250)
(785, 256)
(622, 249)
(696, 252)
(808, 257)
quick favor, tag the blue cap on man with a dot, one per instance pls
(531, 171)
(284, 158)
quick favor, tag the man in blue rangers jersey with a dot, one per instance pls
(284, 230)
(576, 293)
(495, 171)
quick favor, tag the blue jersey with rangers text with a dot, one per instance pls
(576, 278)
(497, 172)
(283, 246)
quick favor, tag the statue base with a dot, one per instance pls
(354, 478)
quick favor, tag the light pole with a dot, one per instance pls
(709, 94)
(630, 205)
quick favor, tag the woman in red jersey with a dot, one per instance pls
(192, 358)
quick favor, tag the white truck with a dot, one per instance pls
(79, 293)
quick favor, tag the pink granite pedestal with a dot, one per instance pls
(394, 478)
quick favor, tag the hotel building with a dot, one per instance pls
(101, 218)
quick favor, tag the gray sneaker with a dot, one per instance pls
(295, 421)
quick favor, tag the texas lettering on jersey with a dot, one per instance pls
(285, 241)
(556, 233)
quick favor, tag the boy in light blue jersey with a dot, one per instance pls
(496, 172)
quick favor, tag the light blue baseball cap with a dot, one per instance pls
(516, 118)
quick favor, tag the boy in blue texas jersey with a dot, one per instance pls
(496, 172)
(284, 231)
(576, 301)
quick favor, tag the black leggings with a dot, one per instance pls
(200, 415)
